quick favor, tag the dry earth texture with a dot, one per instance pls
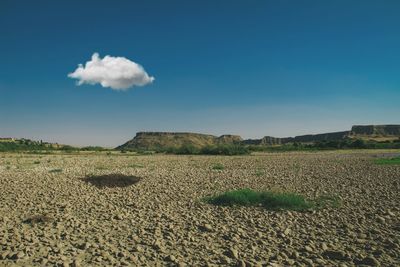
(54, 212)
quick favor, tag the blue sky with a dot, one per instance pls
(252, 68)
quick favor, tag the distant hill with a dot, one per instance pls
(157, 140)
(378, 133)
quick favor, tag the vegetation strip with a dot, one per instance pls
(388, 161)
(271, 200)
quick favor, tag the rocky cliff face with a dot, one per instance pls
(229, 139)
(271, 141)
(321, 137)
(156, 140)
(375, 130)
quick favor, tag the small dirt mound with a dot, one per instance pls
(36, 219)
(112, 180)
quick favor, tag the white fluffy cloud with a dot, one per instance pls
(118, 73)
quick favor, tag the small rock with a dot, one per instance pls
(287, 231)
(361, 241)
(390, 213)
(170, 258)
(63, 258)
(308, 249)
(334, 255)
(119, 217)
(206, 228)
(370, 261)
(232, 253)
(309, 262)
(380, 219)
(18, 256)
(138, 248)
(225, 260)
(295, 255)
(76, 263)
(4, 255)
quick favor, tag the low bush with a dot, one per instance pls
(218, 166)
(270, 200)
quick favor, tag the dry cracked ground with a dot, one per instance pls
(53, 214)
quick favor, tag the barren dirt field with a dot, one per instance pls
(53, 212)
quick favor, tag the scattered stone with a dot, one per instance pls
(390, 213)
(308, 249)
(169, 223)
(119, 217)
(334, 255)
(4, 255)
(232, 253)
(206, 228)
(370, 261)
(380, 219)
(17, 256)
(170, 258)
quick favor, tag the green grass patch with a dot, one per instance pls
(55, 170)
(259, 172)
(218, 166)
(388, 161)
(270, 200)
(36, 162)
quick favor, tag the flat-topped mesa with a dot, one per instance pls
(140, 134)
(375, 130)
(157, 140)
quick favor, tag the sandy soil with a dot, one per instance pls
(160, 220)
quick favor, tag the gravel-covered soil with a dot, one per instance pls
(52, 212)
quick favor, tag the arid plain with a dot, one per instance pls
(52, 211)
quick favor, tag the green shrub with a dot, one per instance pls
(55, 171)
(218, 166)
(93, 148)
(259, 172)
(270, 200)
(228, 150)
(183, 150)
